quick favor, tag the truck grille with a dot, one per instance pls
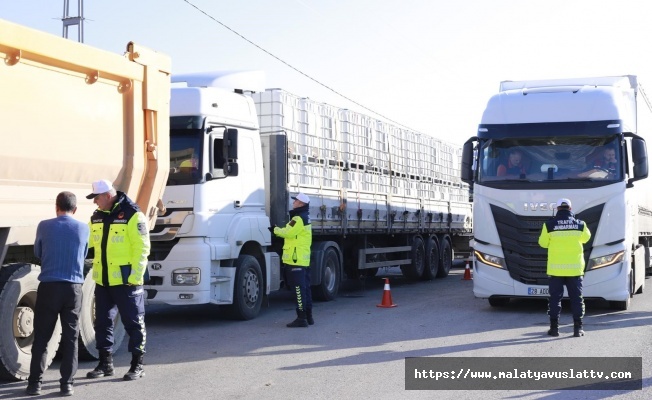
(519, 235)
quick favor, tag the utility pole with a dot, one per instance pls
(70, 20)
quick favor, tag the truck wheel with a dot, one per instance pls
(247, 289)
(87, 350)
(330, 277)
(18, 285)
(432, 260)
(446, 259)
(414, 270)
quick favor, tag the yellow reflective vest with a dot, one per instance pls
(298, 239)
(120, 238)
(564, 236)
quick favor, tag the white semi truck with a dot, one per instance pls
(380, 195)
(560, 131)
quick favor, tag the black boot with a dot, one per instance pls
(309, 316)
(578, 329)
(300, 322)
(554, 327)
(136, 371)
(33, 388)
(105, 366)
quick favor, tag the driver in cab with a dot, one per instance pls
(603, 167)
(514, 164)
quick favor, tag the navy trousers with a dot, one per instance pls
(298, 279)
(130, 302)
(574, 287)
(56, 300)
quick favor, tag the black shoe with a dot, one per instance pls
(136, 371)
(33, 388)
(67, 390)
(578, 329)
(309, 317)
(554, 327)
(298, 323)
(102, 370)
(104, 367)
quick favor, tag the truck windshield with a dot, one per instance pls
(545, 159)
(185, 156)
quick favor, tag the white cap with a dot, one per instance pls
(302, 198)
(99, 187)
(563, 202)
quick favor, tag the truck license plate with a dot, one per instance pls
(532, 291)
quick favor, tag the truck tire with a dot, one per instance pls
(415, 269)
(446, 252)
(330, 277)
(18, 285)
(247, 289)
(87, 350)
(432, 260)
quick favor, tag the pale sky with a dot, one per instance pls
(430, 65)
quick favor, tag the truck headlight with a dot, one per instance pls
(493, 261)
(605, 261)
(186, 276)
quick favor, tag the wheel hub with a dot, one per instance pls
(251, 288)
(23, 322)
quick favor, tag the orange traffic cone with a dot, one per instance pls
(467, 273)
(387, 297)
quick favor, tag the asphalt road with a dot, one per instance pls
(357, 350)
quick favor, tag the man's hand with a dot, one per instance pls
(271, 229)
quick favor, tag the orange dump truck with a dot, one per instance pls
(70, 114)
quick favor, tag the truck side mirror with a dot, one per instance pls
(467, 162)
(230, 152)
(230, 149)
(639, 157)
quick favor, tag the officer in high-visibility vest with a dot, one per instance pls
(564, 237)
(296, 257)
(120, 236)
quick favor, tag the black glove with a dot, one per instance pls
(271, 229)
